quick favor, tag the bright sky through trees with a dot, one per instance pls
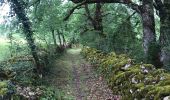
(4, 10)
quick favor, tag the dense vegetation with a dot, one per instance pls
(128, 40)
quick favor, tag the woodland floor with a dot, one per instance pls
(77, 79)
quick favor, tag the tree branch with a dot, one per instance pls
(34, 2)
(88, 13)
(131, 16)
(101, 1)
(135, 7)
(82, 2)
(132, 5)
(72, 10)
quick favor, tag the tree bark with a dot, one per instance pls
(64, 40)
(96, 21)
(59, 38)
(98, 18)
(165, 35)
(19, 10)
(151, 47)
(54, 38)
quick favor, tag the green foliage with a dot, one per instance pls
(50, 93)
(4, 51)
(122, 35)
(91, 39)
(128, 79)
(122, 32)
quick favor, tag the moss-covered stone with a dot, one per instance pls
(136, 81)
(3, 87)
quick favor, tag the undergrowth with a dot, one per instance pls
(20, 82)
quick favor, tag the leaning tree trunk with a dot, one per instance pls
(19, 10)
(165, 35)
(151, 47)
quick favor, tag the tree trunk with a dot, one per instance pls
(96, 21)
(98, 18)
(165, 35)
(59, 38)
(64, 40)
(19, 10)
(151, 47)
(54, 38)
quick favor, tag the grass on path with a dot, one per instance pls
(77, 79)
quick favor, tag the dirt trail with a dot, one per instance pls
(79, 79)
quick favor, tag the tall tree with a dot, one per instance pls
(54, 38)
(151, 47)
(146, 11)
(96, 20)
(59, 37)
(19, 10)
(164, 13)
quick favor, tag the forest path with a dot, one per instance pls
(77, 78)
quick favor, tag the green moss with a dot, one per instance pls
(139, 76)
(159, 92)
(154, 83)
(164, 83)
(3, 84)
(3, 91)
(139, 86)
(3, 87)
